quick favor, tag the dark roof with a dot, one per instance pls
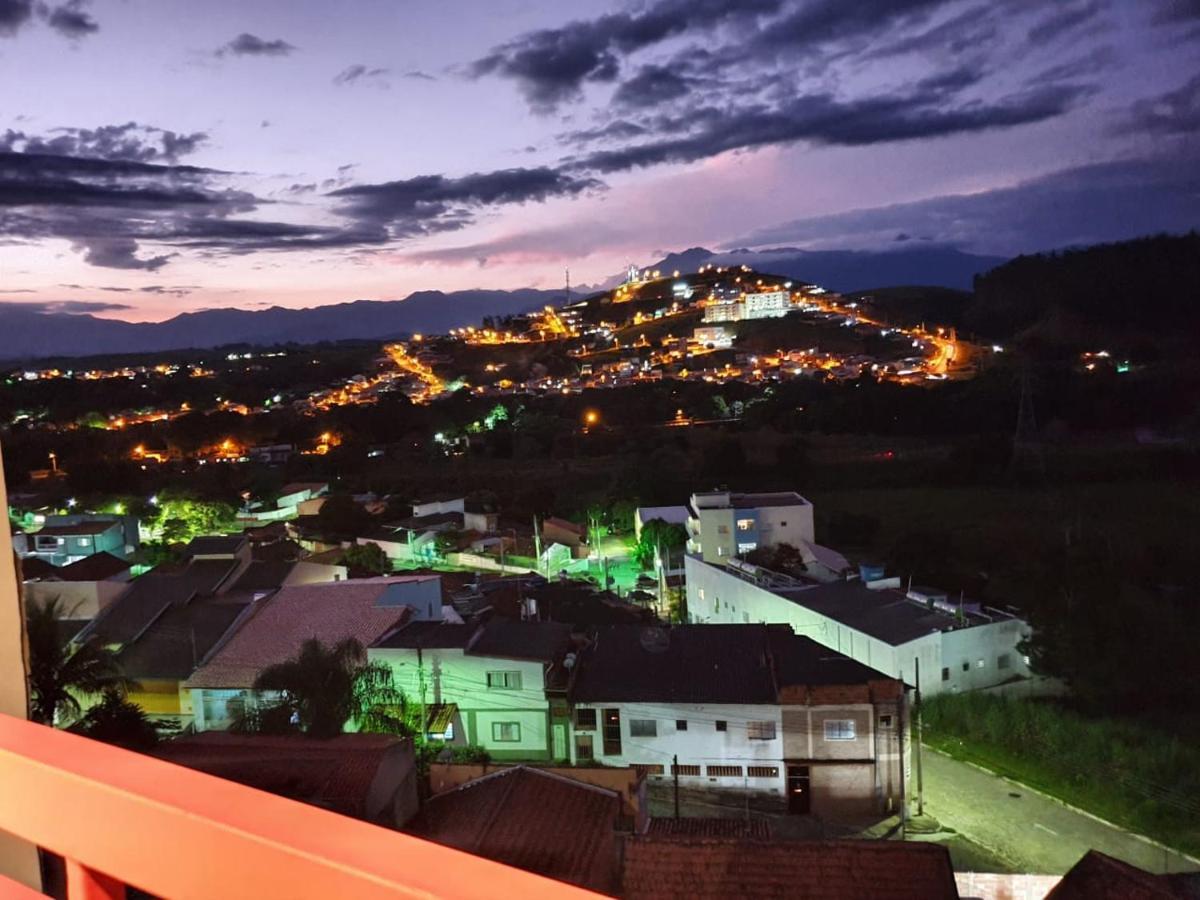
(97, 567)
(178, 640)
(696, 827)
(533, 820)
(431, 521)
(262, 575)
(887, 615)
(92, 526)
(1098, 876)
(427, 635)
(564, 525)
(544, 641)
(33, 568)
(799, 660)
(762, 501)
(815, 870)
(215, 545)
(336, 774)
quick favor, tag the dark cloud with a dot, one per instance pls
(433, 203)
(1096, 60)
(1175, 112)
(14, 14)
(1085, 205)
(823, 119)
(822, 21)
(651, 86)
(358, 72)
(618, 129)
(553, 64)
(1175, 11)
(246, 44)
(1064, 20)
(73, 307)
(72, 20)
(130, 141)
(118, 253)
(418, 75)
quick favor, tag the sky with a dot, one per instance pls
(159, 157)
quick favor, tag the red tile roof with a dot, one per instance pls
(1098, 876)
(330, 612)
(705, 827)
(699, 868)
(534, 820)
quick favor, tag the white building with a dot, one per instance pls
(724, 525)
(716, 336)
(958, 649)
(723, 310)
(750, 709)
(767, 304)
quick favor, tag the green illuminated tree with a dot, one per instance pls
(658, 536)
(368, 557)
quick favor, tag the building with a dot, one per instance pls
(1098, 876)
(62, 543)
(83, 588)
(723, 309)
(439, 503)
(506, 678)
(750, 709)
(532, 819)
(363, 609)
(767, 304)
(717, 337)
(560, 531)
(959, 647)
(294, 497)
(723, 525)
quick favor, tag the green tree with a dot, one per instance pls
(324, 687)
(658, 536)
(115, 720)
(339, 514)
(59, 672)
(368, 557)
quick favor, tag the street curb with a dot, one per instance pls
(1075, 809)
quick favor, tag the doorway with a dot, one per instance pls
(799, 790)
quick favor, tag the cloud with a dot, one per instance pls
(433, 203)
(1084, 205)
(130, 141)
(72, 20)
(652, 85)
(1175, 112)
(359, 72)
(246, 44)
(1064, 20)
(72, 307)
(14, 14)
(118, 253)
(418, 75)
(550, 245)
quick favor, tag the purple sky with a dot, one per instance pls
(159, 157)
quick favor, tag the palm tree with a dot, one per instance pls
(58, 672)
(323, 688)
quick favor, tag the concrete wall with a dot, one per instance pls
(315, 573)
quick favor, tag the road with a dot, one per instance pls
(1029, 830)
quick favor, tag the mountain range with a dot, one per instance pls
(30, 332)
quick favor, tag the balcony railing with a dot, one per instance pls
(119, 818)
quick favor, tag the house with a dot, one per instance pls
(717, 337)
(532, 819)
(83, 588)
(372, 777)
(481, 518)
(505, 677)
(748, 709)
(262, 576)
(714, 868)
(364, 609)
(63, 543)
(560, 531)
(960, 647)
(439, 503)
(1097, 876)
(294, 495)
(723, 525)
(271, 454)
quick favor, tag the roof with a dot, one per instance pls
(707, 664)
(428, 636)
(514, 639)
(215, 545)
(264, 575)
(178, 640)
(762, 501)
(92, 526)
(697, 827)
(531, 819)
(330, 611)
(33, 568)
(336, 774)
(147, 598)
(887, 614)
(812, 870)
(1098, 876)
(563, 524)
(430, 521)
(97, 567)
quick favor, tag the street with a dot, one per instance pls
(1033, 833)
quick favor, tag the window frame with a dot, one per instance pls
(496, 739)
(643, 728)
(507, 676)
(830, 735)
(757, 730)
(582, 726)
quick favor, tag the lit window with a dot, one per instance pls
(839, 730)
(701, 593)
(745, 524)
(979, 663)
(506, 732)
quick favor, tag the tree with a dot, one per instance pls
(368, 557)
(58, 673)
(324, 687)
(658, 536)
(339, 514)
(115, 720)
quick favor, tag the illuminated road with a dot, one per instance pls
(431, 384)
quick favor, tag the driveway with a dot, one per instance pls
(1032, 832)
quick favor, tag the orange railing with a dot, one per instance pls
(120, 818)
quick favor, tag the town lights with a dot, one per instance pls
(591, 417)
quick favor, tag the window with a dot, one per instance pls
(701, 592)
(745, 524)
(724, 771)
(1003, 661)
(762, 771)
(966, 666)
(612, 732)
(583, 747)
(722, 529)
(681, 724)
(945, 673)
(648, 768)
(643, 728)
(839, 730)
(760, 731)
(885, 721)
(979, 663)
(585, 719)
(506, 732)
(722, 725)
(685, 770)
(510, 681)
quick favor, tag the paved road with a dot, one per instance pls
(1031, 831)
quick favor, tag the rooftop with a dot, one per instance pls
(1097, 876)
(177, 641)
(215, 545)
(264, 575)
(531, 819)
(716, 868)
(92, 526)
(97, 567)
(695, 827)
(428, 636)
(544, 641)
(149, 596)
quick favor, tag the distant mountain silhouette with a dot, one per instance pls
(29, 333)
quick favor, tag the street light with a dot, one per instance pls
(591, 417)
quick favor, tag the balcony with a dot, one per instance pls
(119, 818)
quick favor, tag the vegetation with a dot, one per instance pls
(60, 673)
(658, 539)
(1129, 772)
(115, 720)
(323, 688)
(367, 558)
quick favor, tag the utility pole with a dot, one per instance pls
(537, 543)
(917, 743)
(424, 732)
(903, 777)
(675, 778)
